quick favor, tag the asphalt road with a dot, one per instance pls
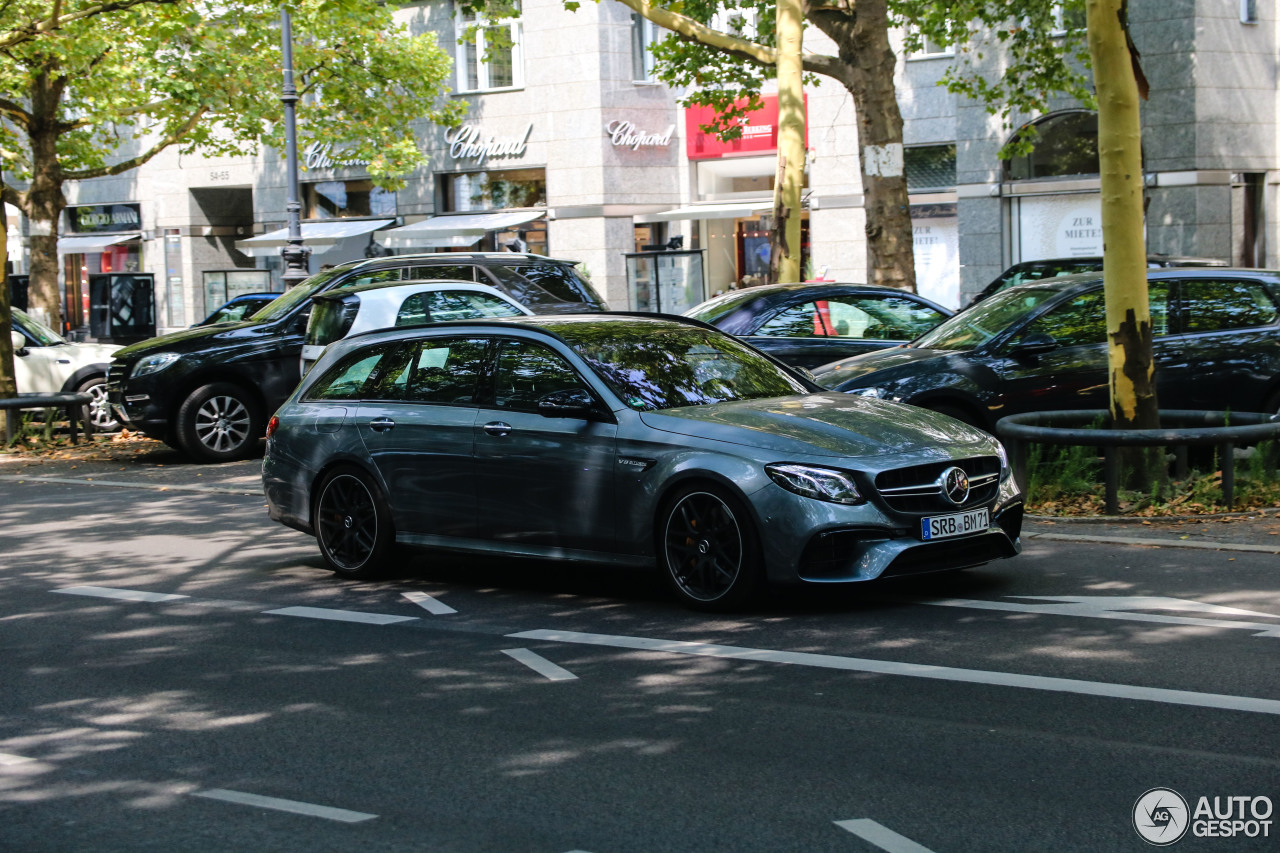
(519, 706)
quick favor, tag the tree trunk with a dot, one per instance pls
(8, 383)
(44, 199)
(784, 259)
(862, 40)
(1124, 269)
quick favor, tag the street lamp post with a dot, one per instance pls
(294, 253)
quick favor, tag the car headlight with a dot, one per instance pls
(823, 484)
(154, 363)
(1005, 470)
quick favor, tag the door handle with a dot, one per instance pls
(497, 428)
(381, 424)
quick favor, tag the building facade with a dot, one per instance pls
(570, 148)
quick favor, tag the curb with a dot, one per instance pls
(1158, 543)
(1150, 519)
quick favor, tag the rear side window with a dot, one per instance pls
(441, 305)
(526, 372)
(347, 379)
(541, 283)
(1215, 306)
(431, 370)
(442, 272)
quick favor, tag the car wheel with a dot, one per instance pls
(98, 412)
(708, 548)
(219, 423)
(352, 523)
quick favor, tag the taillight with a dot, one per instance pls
(271, 425)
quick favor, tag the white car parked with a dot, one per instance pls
(343, 312)
(45, 363)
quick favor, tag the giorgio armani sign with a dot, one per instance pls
(105, 218)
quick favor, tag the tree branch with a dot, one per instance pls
(22, 33)
(134, 162)
(14, 111)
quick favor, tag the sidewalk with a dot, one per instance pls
(139, 462)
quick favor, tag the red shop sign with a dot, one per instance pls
(759, 132)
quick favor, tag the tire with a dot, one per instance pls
(708, 549)
(220, 422)
(352, 523)
(98, 412)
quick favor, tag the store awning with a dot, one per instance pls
(317, 235)
(456, 230)
(738, 210)
(88, 244)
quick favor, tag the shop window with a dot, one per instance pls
(341, 199)
(931, 167)
(1066, 145)
(494, 190)
(489, 53)
(644, 35)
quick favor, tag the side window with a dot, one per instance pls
(376, 277)
(413, 310)
(527, 372)
(347, 379)
(453, 272)
(464, 305)
(1214, 306)
(431, 370)
(888, 318)
(1083, 320)
(798, 321)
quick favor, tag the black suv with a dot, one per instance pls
(1054, 267)
(208, 390)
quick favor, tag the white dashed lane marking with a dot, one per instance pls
(340, 615)
(881, 836)
(7, 760)
(309, 809)
(429, 604)
(119, 594)
(942, 673)
(540, 665)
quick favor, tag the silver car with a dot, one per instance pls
(627, 440)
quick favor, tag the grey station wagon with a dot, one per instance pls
(627, 439)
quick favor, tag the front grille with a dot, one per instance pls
(115, 375)
(948, 555)
(916, 489)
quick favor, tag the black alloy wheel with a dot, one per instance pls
(98, 411)
(219, 422)
(352, 524)
(709, 549)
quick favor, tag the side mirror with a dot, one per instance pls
(1036, 343)
(570, 403)
(19, 342)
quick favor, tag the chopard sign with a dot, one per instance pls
(624, 134)
(319, 155)
(469, 143)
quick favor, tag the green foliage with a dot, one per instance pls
(207, 76)
(1056, 472)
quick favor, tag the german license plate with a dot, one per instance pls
(956, 524)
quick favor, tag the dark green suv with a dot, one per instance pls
(208, 390)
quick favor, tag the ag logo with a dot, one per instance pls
(1160, 816)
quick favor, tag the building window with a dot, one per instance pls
(930, 167)
(925, 47)
(489, 53)
(644, 35)
(493, 190)
(1066, 144)
(1248, 11)
(341, 199)
(1067, 20)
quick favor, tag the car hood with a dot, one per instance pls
(89, 353)
(824, 425)
(194, 338)
(839, 372)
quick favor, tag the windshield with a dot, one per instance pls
(669, 366)
(45, 336)
(721, 305)
(290, 299)
(972, 328)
